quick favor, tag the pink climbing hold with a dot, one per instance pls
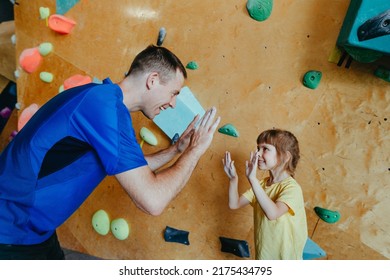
(30, 59)
(76, 80)
(26, 115)
(5, 113)
(61, 24)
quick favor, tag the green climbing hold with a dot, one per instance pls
(120, 228)
(229, 129)
(101, 222)
(326, 215)
(45, 48)
(363, 55)
(192, 65)
(148, 136)
(46, 77)
(383, 73)
(312, 79)
(259, 10)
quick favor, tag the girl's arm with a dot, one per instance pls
(235, 201)
(272, 210)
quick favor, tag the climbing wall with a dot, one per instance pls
(252, 72)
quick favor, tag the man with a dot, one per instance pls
(84, 134)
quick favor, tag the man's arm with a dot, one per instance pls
(160, 158)
(151, 191)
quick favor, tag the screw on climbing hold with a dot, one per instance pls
(76, 80)
(229, 129)
(30, 59)
(120, 228)
(259, 10)
(46, 77)
(175, 138)
(61, 24)
(326, 215)
(45, 48)
(312, 79)
(148, 137)
(101, 222)
(192, 65)
(383, 73)
(161, 36)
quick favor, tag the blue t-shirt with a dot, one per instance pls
(60, 156)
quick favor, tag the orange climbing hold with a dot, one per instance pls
(26, 115)
(76, 80)
(61, 24)
(30, 59)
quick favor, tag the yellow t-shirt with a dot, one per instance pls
(285, 237)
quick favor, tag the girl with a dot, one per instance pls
(279, 214)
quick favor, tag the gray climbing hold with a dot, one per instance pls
(161, 36)
(259, 10)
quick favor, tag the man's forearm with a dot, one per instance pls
(162, 157)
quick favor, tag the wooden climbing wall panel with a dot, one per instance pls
(252, 72)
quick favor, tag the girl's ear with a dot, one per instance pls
(288, 157)
(151, 80)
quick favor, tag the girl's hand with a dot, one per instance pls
(228, 166)
(251, 166)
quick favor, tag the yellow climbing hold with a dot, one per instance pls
(46, 77)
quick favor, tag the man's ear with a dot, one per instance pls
(152, 79)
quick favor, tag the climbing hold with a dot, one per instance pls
(176, 235)
(76, 80)
(120, 228)
(5, 113)
(363, 55)
(44, 12)
(16, 74)
(383, 73)
(229, 129)
(63, 6)
(61, 89)
(312, 79)
(30, 59)
(45, 48)
(148, 137)
(161, 36)
(259, 10)
(12, 135)
(239, 248)
(26, 115)
(101, 222)
(192, 65)
(175, 138)
(61, 24)
(46, 77)
(326, 215)
(13, 39)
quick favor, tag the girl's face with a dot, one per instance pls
(268, 159)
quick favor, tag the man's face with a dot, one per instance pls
(163, 95)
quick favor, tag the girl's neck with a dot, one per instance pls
(277, 176)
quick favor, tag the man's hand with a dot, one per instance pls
(204, 132)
